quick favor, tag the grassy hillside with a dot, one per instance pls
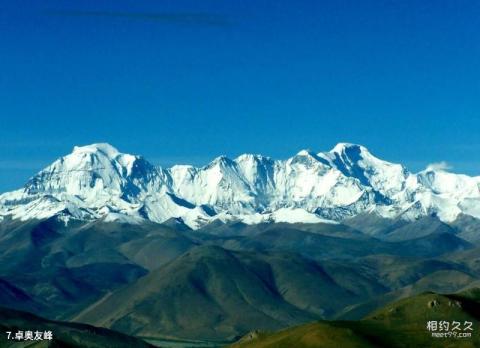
(402, 324)
(321, 246)
(208, 292)
(214, 293)
(63, 269)
(225, 279)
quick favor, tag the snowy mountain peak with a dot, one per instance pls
(308, 158)
(345, 148)
(221, 161)
(101, 153)
(105, 148)
(97, 181)
(305, 152)
(92, 171)
(248, 157)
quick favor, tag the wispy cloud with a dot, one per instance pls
(195, 18)
(439, 166)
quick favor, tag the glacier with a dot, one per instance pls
(99, 182)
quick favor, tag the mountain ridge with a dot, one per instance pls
(97, 181)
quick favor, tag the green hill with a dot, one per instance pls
(211, 293)
(402, 324)
(223, 281)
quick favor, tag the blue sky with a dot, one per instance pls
(185, 81)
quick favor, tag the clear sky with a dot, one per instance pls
(186, 81)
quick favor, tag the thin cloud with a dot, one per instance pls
(439, 166)
(206, 19)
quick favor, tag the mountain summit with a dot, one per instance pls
(99, 182)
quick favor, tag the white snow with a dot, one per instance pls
(297, 215)
(97, 181)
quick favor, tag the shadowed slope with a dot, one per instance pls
(210, 292)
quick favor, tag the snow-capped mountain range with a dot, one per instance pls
(99, 182)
